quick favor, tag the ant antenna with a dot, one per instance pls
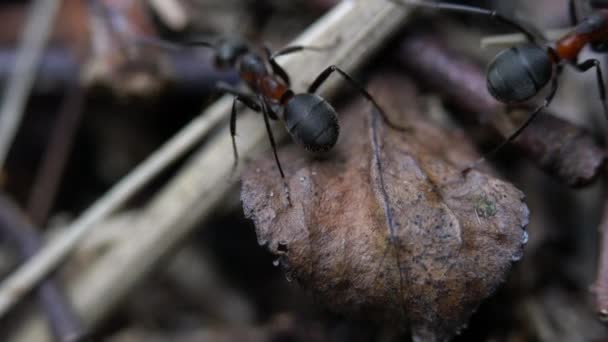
(470, 10)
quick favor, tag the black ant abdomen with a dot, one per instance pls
(519, 73)
(312, 122)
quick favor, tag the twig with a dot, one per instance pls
(49, 175)
(508, 40)
(362, 27)
(601, 282)
(563, 149)
(65, 324)
(171, 12)
(35, 36)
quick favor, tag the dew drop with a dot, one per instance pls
(275, 262)
(517, 256)
(524, 239)
(271, 194)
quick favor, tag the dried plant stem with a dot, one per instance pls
(48, 178)
(508, 40)
(171, 12)
(15, 227)
(601, 282)
(35, 36)
(361, 26)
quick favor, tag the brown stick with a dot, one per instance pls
(66, 326)
(49, 175)
(601, 282)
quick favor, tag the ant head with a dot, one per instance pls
(312, 122)
(519, 73)
(227, 50)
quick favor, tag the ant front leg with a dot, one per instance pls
(533, 115)
(248, 101)
(470, 10)
(329, 70)
(265, 112)
(588, 64)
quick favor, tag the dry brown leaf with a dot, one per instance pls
(386, 227)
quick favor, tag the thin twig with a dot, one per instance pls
(171, 12)
(601, 282)
(362, 27)
(65, 324)
(38, 29)
(508, 40)
(49, 175)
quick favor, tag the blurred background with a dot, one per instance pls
(100, 103)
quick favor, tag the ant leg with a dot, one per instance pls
(277, 69)
(274, 146)
(248, 101)
(588, 64)
(471, 10)
(572, 12)
(521, 128)
(329, 70)
(254, 106)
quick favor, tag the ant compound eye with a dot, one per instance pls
(519, 73)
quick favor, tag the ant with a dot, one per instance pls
(310, 120)
(520, 72)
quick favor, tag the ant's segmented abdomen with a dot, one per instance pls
(518, 73)
(312, 122)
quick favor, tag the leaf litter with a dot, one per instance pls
(385, 227)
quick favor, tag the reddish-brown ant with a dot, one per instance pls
(520, 72)
(310, 120)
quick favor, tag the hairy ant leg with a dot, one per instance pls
(331, 69)
(533, 115)
(585, 66)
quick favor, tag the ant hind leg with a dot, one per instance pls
(521, 128)
(331, 69)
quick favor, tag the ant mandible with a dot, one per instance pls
(520, 72)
